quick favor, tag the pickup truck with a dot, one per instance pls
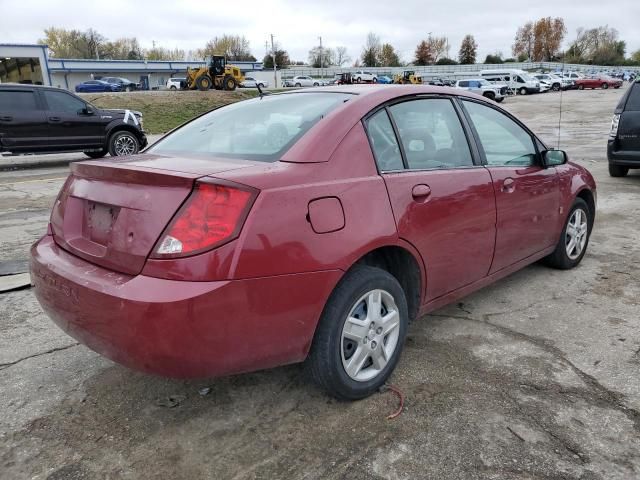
(482, 87)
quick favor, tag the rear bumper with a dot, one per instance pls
(629, 159)
(180, 329)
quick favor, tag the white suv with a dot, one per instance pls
(176, 83)
(364, 76)
(482, 87)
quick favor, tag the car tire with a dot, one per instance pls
(129, 88)
(96, 153)
(523, 91)
(580, 87)
(298, 85)
(618, 171)
(489, 95)
(338, 343)
(500, 100)
(203, 83)
(556, 87)
(605, 86)
(316, 84)
(375, 80)
(172, 87)
(580, 221)
(122, 143)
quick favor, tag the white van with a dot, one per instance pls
(517, 80)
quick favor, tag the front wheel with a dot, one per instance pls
(230, 83)
(523, 91)
(618, 171)
(360, 334)
(500, 100)
(605, 86)
(172, 87)
(315, 84)
(574, 239)
(580, 87)
(375, 80)
(298, 85)
(489, 95)
(123, 143)
(556, 87)
(96, 153)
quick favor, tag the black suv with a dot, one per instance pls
(35, 119)
(623, 148)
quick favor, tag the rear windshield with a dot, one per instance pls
(260, 129)
(633, 103)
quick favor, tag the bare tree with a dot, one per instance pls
(525, 38)
(341, 56)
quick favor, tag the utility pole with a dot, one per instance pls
(321, 58)
(275, 73)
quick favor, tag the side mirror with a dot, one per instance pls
(553, 158)
(86, 111)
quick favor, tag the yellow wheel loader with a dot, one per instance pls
(407, 77)
(216, 74)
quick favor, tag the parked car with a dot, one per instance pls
(126, 84)
(384, 79)
(36, 119)
(91, 86)
(176, 83)
(302, 81)
(244, 239)
(598, 81)
(554, 81)
(623, 147)
(363, 76)
(482, 87)
(251, 82)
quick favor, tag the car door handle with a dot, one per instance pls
(54, 119)
(421, 193)
(6, 118)
(508, 185)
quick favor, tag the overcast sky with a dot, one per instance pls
(297, 24)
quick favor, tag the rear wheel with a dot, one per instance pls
(230, 83)
(298, 85)
(129, 88)
(96, 153)
(360, 334)
(618, 171)
(523, 91)
(574, 239)
(172, 87)
(123, 143)
(204, 83)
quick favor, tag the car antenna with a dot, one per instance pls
(561, 91)
(262, 94)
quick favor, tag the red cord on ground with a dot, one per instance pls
(400, 398)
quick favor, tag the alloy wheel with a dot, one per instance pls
(125, 145)
(576, 234)
(370, 335)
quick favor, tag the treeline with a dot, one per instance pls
(536, 40)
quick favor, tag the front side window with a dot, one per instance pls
(431, 134)
(63, 102)
(504, 141)
(633, 102)
(260, 129)
(383, 142)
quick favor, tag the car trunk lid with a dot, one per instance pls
(111, 213)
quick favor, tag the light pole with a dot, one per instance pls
(321, 59)
(273, 55)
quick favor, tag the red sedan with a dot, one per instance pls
(306, 226)
(602, 81)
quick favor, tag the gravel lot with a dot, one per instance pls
(535, 377)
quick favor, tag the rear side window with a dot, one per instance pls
(17, 101)
(633, 102)
(63, 102)
(463, 83)
(260, 129)
(431, 134)
(383, 142)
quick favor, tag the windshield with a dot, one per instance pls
(259, 129)
(527, 78)
(484, 83)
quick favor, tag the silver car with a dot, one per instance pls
(251, 82)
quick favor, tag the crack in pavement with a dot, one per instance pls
(4, 366)
(608, 397)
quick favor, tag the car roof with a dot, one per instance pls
(30, 85)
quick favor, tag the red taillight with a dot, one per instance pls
(212, 215)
